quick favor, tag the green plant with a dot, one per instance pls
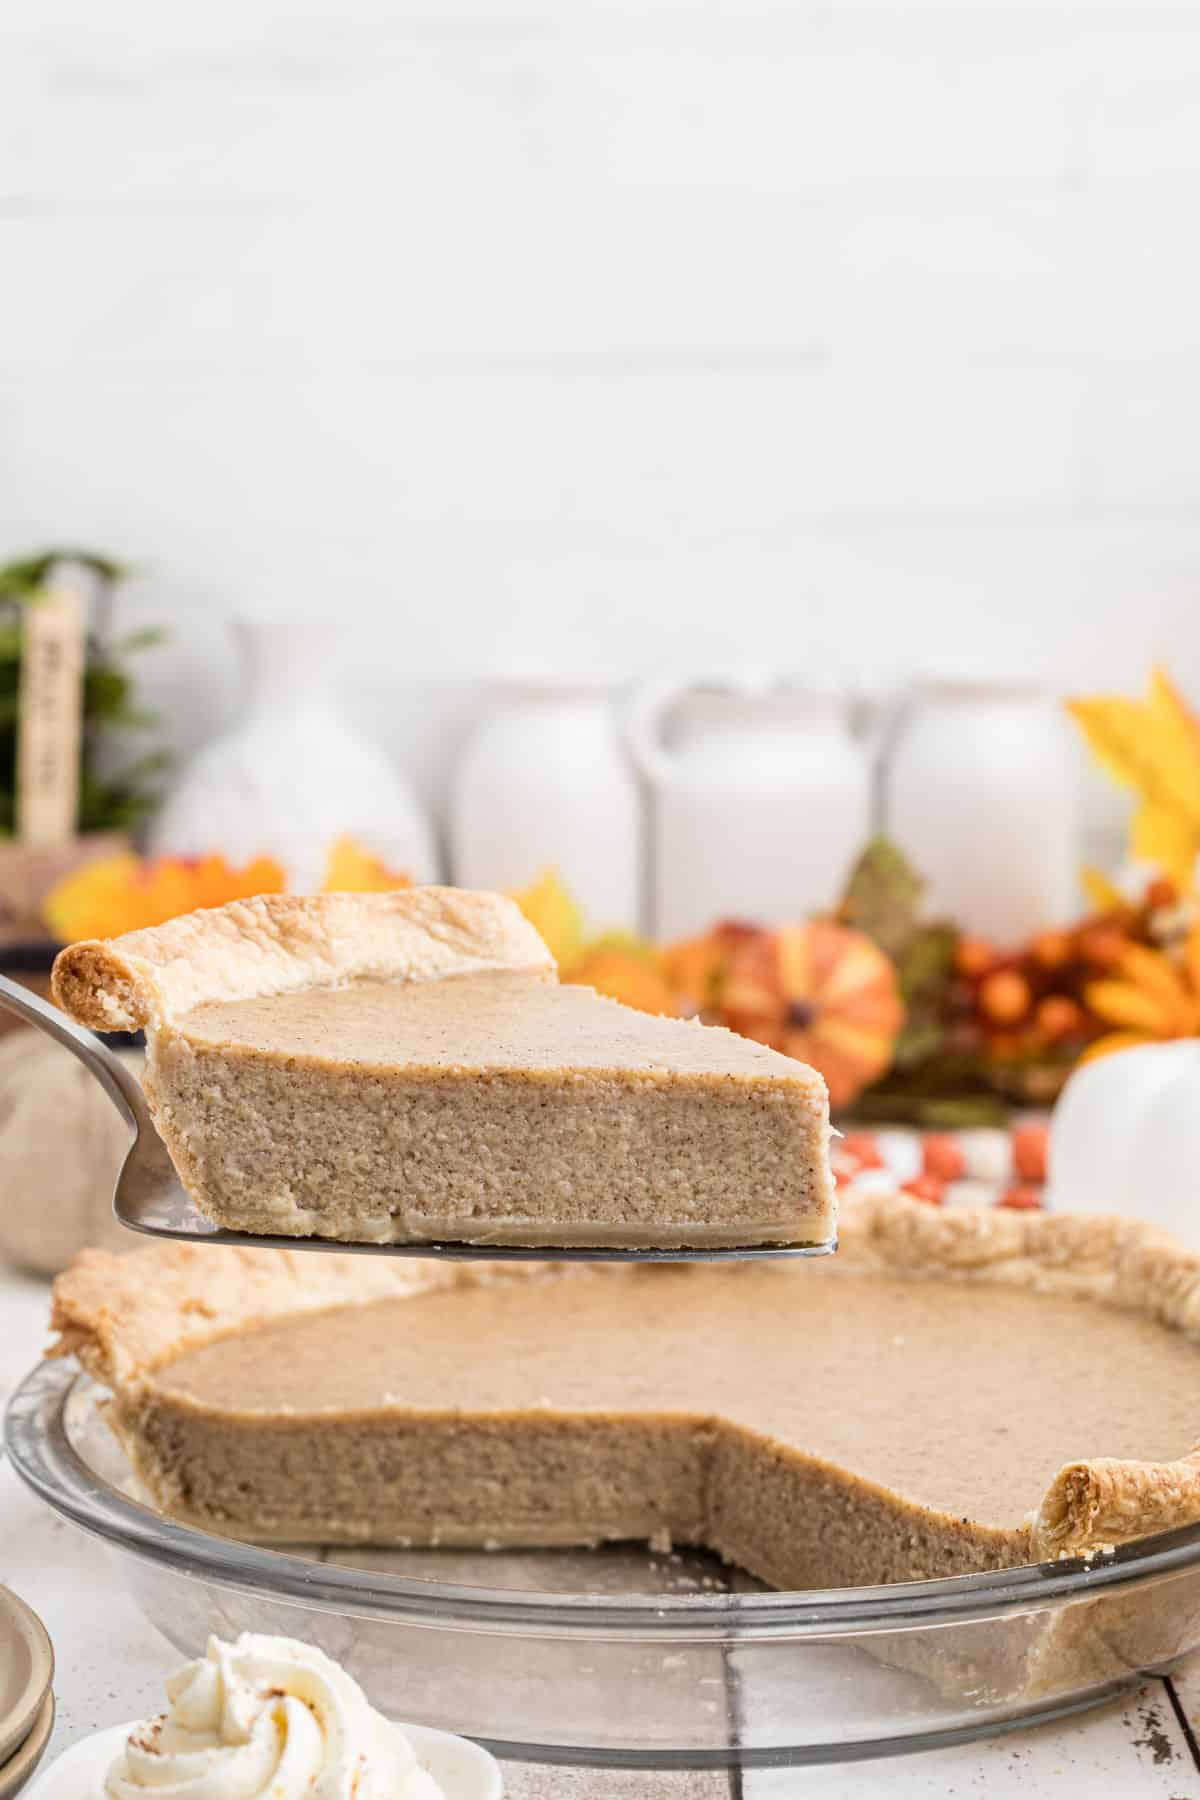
(112, 797)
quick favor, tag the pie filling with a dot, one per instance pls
(818, 1426)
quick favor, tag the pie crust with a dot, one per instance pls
(283, 943)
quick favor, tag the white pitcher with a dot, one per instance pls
(762, 799)
(979, 794)
(545, 782)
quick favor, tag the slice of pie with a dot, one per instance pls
(952, 1393)
(404, 1067)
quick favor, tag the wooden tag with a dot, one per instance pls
(50, 718)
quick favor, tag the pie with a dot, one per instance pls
(404, 1067)
(954, 1392)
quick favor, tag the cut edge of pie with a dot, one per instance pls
(127, 1318)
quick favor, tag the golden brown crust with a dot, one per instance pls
(125, 1316)
(1122, 1261)
(279, 943)
(1090, 1505)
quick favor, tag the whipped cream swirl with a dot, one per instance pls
(267, 1718)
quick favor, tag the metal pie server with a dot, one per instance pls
(150, 1198)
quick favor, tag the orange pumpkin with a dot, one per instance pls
(822, 993)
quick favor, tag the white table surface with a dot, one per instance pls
(111, 1666)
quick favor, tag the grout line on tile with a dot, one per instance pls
(1184, 1723)
(733, 1711)
(739, 1582)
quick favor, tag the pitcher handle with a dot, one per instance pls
(654, 700)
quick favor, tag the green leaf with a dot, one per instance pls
(883, 897)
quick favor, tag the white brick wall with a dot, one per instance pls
(614, 332)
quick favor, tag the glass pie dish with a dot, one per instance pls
(627, 1656)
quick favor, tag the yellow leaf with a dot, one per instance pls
(1104, 895)
(1114, 729)
(349, 869)
(552, 911)
(1153, 747)
(1166, 841)
(1173, 716)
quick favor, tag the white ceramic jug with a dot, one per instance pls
(545, 783)
(979, 794)
(762, 799)
(293, 776)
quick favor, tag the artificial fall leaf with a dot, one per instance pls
(1153, 747)
(926, 973)
(1150, 998)
(552, 911)
(127, 893)
(883, 897)
(1103, 894)
(627, 969)
(349, 869)
(695, 967)
(623, 943)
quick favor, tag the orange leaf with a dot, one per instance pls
(1121, 1003)
(124, 893)
(1151, 970)
(624, 974)
(1112, 1043)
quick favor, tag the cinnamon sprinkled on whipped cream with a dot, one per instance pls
(268, 1718)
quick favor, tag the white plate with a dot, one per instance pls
(461, 1769)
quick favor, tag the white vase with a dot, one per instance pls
(762, 799)
(979, 795)
(544, 782)
(293, 776)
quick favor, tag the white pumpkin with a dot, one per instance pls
(61, 1144)
(1125, 1138)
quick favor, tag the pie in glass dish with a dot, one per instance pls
(953, 1393)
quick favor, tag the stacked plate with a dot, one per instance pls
(26, 1698)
